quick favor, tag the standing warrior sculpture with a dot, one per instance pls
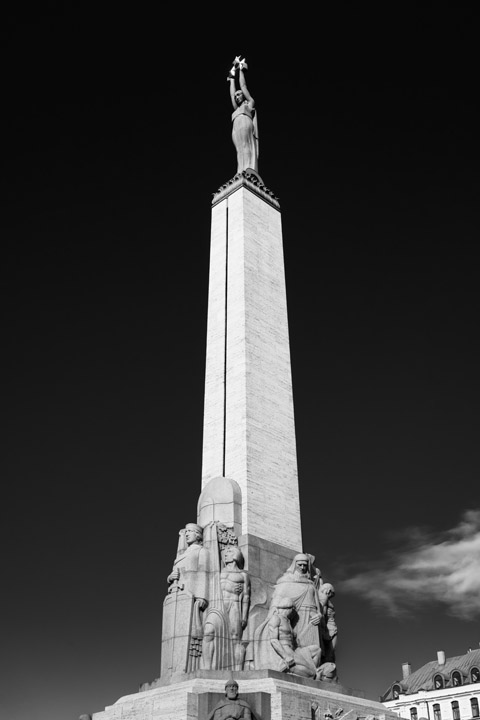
(244, 118)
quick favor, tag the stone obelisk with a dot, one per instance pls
(249, 432)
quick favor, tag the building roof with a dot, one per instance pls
(422, 679)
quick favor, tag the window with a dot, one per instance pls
(413, 713)
(437, 715)
(396, 690)
(456, 678)
(455, 710)
(474, 704)
(438, 682)
(475, 674)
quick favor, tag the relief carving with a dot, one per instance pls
(231, 708)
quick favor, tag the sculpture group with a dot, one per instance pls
(207, 623)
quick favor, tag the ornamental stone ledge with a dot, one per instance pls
(251, 180)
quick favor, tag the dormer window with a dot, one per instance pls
(475, 674)
(438, 682)
(396, 690)
(456, 678)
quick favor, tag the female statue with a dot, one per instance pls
(244, 118)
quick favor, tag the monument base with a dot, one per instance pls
(271, 696)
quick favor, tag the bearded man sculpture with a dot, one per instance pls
(231, 708)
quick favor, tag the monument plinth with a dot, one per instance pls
(244, 603)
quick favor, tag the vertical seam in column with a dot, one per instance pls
(225, 345)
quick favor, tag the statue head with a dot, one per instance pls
(193, 533)
(239, 97)
(328, 589)
(302, 563)
(231, 690)
(232, 553)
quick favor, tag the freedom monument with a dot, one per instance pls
(249, 628)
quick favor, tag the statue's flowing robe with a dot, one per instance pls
(303, 594)
(182, 617)
(245, 137)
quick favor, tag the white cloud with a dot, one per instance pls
(443, 569)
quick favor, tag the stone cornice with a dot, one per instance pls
(250, 180)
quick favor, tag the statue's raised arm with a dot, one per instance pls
(244, 118)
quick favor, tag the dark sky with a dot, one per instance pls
(116, 132)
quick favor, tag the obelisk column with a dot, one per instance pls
(249, 432)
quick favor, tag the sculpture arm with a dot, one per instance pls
(245, 600)
(232, 92)
(279, 649)
(244, 89)
(274, 632)
(174, 575)
(199, 579)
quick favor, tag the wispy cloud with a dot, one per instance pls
(443, 569)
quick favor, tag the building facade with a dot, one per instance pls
(445, 689)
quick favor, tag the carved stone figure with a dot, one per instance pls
(235, 584)
(184, 605)
(328, 626)
(244, 118)
(189, 568)
(275, 646)
(229, 616)
(231, 708)
(297, 585)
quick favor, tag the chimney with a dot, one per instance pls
(406, 670)
(441, 657)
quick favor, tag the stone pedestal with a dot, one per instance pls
(271, 696)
